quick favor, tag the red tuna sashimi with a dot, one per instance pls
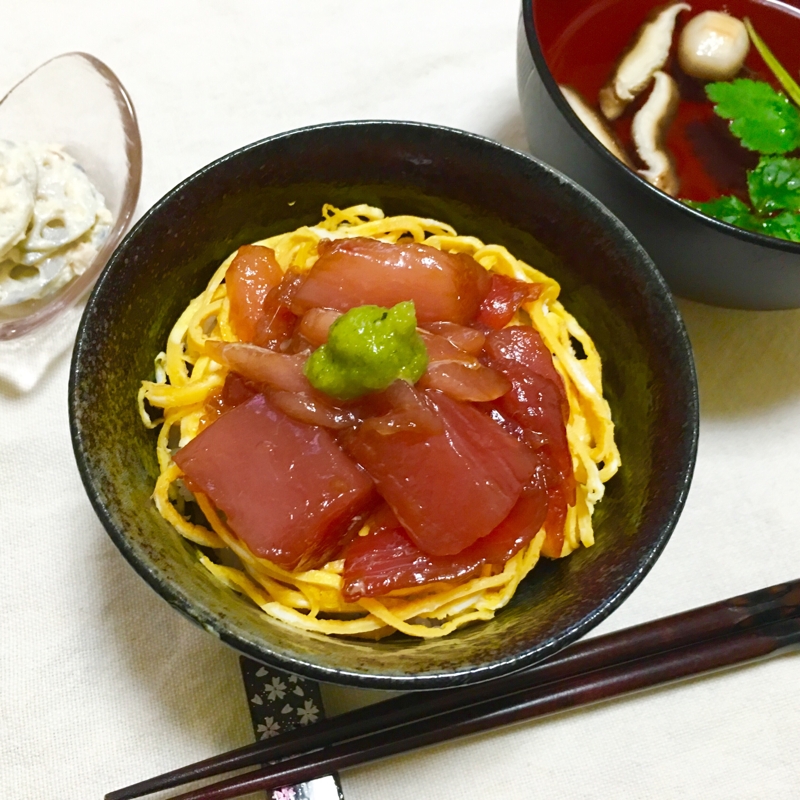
(235, 391)
(307, 406)
(447, 488)
(537, 403)
(251, 275)
(399, 408)
(458, 374)
(261, 366)
(315, 325)
(465, 338)
(279, 376)
(505, 297)
(387, 559)
(287, 489)
(277, 322)
(359, 271)
(314, 408)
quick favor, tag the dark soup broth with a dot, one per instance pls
(582, 42)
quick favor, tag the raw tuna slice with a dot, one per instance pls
(235, 391)
(537, 401)
(354, 272)
(447, 488)
(387, 559)
(537, 404)
(457, 373)
(505, 297)
(468, 339)
(287, 489)
(252, 273)
(277, 322)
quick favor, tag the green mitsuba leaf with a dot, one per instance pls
(775, 184)
(764, 120)
(785, 226)
(732, 210)
(728, 209)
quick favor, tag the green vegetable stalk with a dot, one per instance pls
(784, 78)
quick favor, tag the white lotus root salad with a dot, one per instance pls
(52, 221)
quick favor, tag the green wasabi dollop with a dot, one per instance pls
(368, 348)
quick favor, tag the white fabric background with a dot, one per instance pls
(101, 683)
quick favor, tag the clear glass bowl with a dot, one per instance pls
(75, 100)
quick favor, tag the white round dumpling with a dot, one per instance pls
(17, 193)
(66, 202)
(713, 46)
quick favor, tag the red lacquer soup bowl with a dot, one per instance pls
(577, 43)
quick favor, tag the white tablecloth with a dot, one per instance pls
(101, 683)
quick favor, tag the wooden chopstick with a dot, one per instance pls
(638, 651)
(538, 701)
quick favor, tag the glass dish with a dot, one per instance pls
(75, 100)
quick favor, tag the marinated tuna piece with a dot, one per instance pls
(277, 322)
(440, 348)
(399, 408)
(383, 561)
(462, 336)
(261, 366)
(251, 275)
(354, 272)
(537, 404)
(519, 353)
(557, 503)
(505, 297)
(451, 488)
(287, 489)
(458, 374)
(279, 376)
(235, 391)
(467, 381)
(387, 559)
(316, 323)
(523, 522)
(313, 409)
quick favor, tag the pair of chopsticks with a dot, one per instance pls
(745, 628)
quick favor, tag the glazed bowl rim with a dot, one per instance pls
(231, 631)
(535, 49)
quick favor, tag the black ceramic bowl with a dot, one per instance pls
(700, 257)
(483, 189)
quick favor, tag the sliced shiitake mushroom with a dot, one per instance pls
(596, 124)
(647, 53)
(649, 130)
